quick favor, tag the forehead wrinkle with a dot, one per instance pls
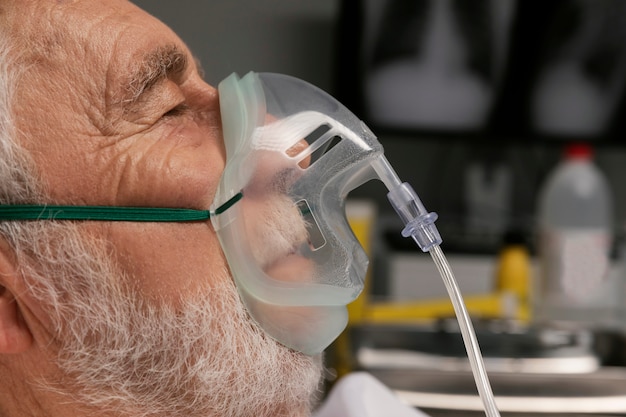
(159, 64)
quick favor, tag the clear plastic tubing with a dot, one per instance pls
(420, 225)
(467, 331)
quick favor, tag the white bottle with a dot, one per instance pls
(575, 221)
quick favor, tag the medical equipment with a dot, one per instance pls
(265, 118)
(293, 153)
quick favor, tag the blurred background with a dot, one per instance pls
(464, 98)
(474, 103)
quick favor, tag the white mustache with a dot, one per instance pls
(278, 229)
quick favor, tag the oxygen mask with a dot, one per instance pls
(293, 153)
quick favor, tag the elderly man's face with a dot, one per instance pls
(114, 113)
(112, 110)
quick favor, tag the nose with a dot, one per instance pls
(297, 149)
(204, 102)
(276, 170)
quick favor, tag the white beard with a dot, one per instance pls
(126, 355)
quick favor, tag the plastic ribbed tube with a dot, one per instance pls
(467, 331)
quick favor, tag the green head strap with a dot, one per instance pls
(110, 213)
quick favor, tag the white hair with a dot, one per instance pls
(18, 182)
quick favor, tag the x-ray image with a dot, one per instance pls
(435, 63)
(553, 68)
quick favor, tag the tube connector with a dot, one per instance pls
(419, 224)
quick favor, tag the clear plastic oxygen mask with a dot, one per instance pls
(293, 153)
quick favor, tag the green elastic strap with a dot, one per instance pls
(110, 213)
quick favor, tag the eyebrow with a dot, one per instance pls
(163, 62)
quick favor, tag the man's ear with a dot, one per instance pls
(15, 336)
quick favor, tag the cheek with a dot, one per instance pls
(181, 172)
(168, 261)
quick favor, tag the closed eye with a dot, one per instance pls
(178, 110)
